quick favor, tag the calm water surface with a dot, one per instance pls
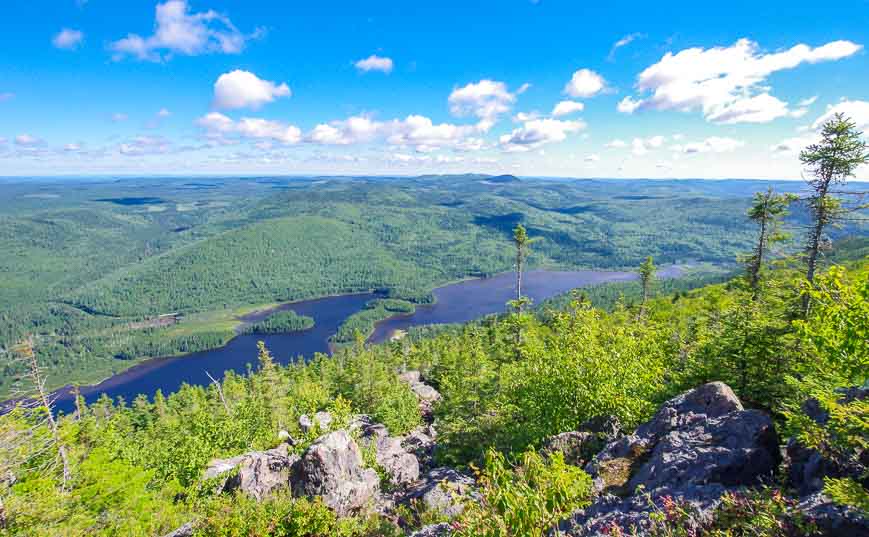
(455, 303)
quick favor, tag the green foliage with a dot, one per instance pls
(527, 500)
(757, 513)
(363, 322)
(282, 321)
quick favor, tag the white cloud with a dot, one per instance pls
(538, 132)
(178, 31)
(164, 113)
(857, 111)
(794, 145)
(486, 99)
(375, 63)
(118, 117)
(616, 144)
(638, 147)
(726, 83)
(585, 83)
(67, 39)
(713, 144)
(353, 130)
(523, 88)
(592, 158)
(567, 107)
(27, 140)
(522, 117)
(414, 130)
(243, 89)
(626, 40)
(808, 102)
(218, 127)
(145, 145)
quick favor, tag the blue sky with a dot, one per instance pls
(560, 88)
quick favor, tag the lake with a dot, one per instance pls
(455, 303)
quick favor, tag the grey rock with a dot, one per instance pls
(421, 444)
(218, 467)
(184, 531)
(261, 473)
(332, 468)
(433, 530)
(442, 490)
(577, 447)
(833, 520)
(425, 392)
(608, 427)
(401, 466)
(367, 427)
(410, 377)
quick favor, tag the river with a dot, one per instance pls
(454, 303)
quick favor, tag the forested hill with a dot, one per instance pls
(88, 265)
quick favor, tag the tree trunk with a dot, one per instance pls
(519, 279)
(814, 247)
(758, 260)
(43, 398)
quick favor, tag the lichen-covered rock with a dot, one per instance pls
(577, 447)
(426, 394)
(332, 468)
(184, 531)
(421, 443)
(261, 473)
(833, 520)
(696, 447)
(367, 427)
(442, 490)
(401, 466)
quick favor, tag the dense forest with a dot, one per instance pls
(88, 266)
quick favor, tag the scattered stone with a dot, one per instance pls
(442, 491)
(184, 531)
(426, 394)
(284, 436)
(433, 530)
(410, 377)
(332, 468)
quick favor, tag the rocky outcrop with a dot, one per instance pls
(442, 490)
(426, 394)
(421, 443)
(332, 468)
(697, 446)
(184, 531)
(401, 467)
(578, 447)
(258, 472)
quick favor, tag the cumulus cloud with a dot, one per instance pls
(243, 89)
(727, 84)
(375, 63)
(414, 130)
(565, 108)
(809, 101)
(220, 128)
(616, 144)
(857, 111)
(178, 31)
(486, 99)
(538, 132)
(585, 83)
(164, 113)
(67, 39)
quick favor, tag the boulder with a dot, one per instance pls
(367, 427)
(433, 530)
(261, 473)
(442, 491)
(332, 468)
(410, 377)
(421, 443)
(577, 447)
(426, 394)
(697, 446)
(219, 467)
(833, 520)
(401, 466)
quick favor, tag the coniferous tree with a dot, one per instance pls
(647, 275)
(767, 211)
(831, 161)
(523, 248)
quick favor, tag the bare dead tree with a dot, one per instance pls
(219, 392)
